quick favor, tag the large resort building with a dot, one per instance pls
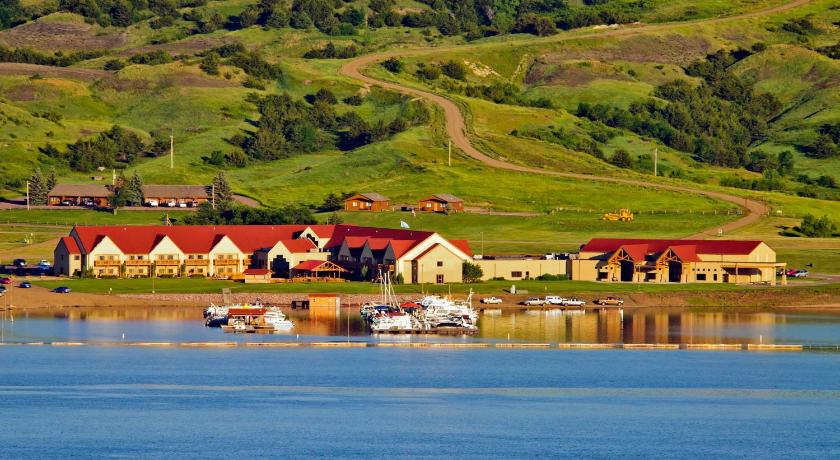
(227, 251)
(349, 252)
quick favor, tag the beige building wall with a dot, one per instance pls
(518, 269)
(226, 259)
(64, 263)
(167, 257)
(438, 265)
(105, 259)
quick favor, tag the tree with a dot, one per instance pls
(210, 63)
(814, 227)
(471, 272)
(392, 65)
(335, 219)
(118, 196)
(38, 190)
(222, 193)
(621, 159)
(786, 163)
(454, 69)
(134, 190)
(52, 180)
(120, 14)
(824, 147)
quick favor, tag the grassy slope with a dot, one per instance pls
(412, 163)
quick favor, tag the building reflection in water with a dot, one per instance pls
(642, 325)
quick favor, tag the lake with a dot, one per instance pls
(118, 402)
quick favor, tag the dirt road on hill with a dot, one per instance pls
(456, 126)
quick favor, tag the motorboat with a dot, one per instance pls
(276, 318)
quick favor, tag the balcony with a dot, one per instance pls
(226, 262)
(136, 262)
(194, 262)
(167, 262)
(106, 263)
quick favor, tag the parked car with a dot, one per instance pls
(492, 300)
(791, 272)
(5, 281)
(25, 285)
(44, 263)
(19, 262)
(533, 302)
(553, 300)
(68, 203)
(62, 290)
(610, 301)
(182, 205)
(2, 290)
(152, 203)
(573, 302)
(801, 274)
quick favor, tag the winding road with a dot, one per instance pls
(456, 126)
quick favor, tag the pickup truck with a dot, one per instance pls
(554, 300)
(533, 302)
(573, 302)
(618, 301)
(491, 300)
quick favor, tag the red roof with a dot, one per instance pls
(463, 245)
(686, 253)
(246, 311)
(70, 244)
(257, 271)
(636, 252)
(298, 245)
(400, 247)
(607, 245)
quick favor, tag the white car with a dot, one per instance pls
(554, 300)
(533, 302)
(152, 203)
(573, 302)
(493, 300)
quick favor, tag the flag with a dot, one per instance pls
(403, 224)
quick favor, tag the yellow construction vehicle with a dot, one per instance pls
(624, 215)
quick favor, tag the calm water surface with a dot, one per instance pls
(115, 402)
(125, 402)
(653, 325)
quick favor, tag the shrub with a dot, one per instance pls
(814, 227)
(471, 272)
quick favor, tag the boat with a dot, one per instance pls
(250, 317)
(275, 318)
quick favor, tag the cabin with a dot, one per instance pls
(256, 275)
(442, 202)
(372, 202)
(79, 195)
(175, 196)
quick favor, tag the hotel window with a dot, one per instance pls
(440, 263)
(77, 257)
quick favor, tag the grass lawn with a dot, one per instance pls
(561, 231)
(189, 285)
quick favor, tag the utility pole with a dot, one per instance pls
(27, 195)
(655, 161)
(171, 152)
(450, 152)
(213, 195)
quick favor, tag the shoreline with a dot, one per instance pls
(38, 297)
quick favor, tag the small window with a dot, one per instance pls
(439, 279)
(355, 204)
(701, 277)
(714, 277)
(77, 257)
(440, 263)
(516, 274)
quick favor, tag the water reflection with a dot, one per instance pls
(646, 325)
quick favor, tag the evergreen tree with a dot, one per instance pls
(118, 197)
(221, 191)
(621, 159)
(38, 190)
(52, 180)
(134, 190)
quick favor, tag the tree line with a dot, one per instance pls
(287, 126)
(716, 121)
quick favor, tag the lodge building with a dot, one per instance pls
(676, 261)
(227, 251)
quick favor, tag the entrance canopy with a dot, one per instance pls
(317, 269)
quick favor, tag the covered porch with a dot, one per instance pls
(319, 271)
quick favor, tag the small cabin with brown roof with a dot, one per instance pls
(79, 195)
(373, 202)
(442, 202)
